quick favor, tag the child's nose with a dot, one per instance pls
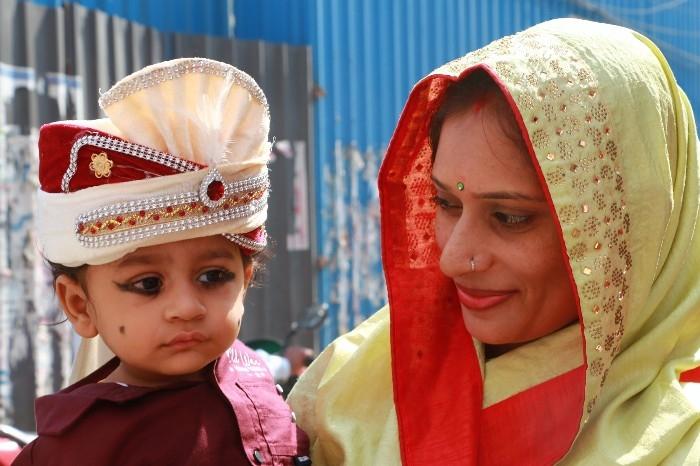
(185, 305)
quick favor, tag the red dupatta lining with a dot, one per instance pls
(433, 359)
(435, 367)
(692, 375)
(508, 438)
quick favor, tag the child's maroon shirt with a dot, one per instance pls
(235, 417)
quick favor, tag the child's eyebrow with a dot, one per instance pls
(150, 259)
(222, 253)
(142, 259)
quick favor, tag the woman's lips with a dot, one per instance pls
(479, 300)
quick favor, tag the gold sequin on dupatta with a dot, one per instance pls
(571, 126)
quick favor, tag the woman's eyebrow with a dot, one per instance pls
(439, 183)
(495, 195)
(509, 195)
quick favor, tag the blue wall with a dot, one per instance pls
(210, 17)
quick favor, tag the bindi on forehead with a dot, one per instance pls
(480, 103)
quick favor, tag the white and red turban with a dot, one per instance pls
(182, 153)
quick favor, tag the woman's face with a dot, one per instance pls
(498, 240)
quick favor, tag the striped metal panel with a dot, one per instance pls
(53, 62)
(209, 17)
(289, 22)
(368, 54)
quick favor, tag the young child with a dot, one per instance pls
(151, 219)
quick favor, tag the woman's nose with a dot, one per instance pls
(465, 250)
(185, 304)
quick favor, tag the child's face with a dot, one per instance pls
(166, 311)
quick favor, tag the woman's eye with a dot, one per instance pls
(443, 203)
(146, 286)
(512, 220)
(215, 276)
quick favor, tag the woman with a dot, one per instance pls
(539, 199)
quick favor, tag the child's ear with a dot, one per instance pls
(74, 302)
(248, 271)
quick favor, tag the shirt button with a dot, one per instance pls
(279, 388)
(258, 456)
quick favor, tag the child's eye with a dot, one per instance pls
(146, 285)
(215, 276)
(512, 220)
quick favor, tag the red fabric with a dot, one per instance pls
(222, 420)
(692, 375)
(55, 143)
(438, 389)
(529, 429)
(436, 375)
(257, 235)
(8, 451)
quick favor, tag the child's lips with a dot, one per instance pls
(186, 340)
(480, 300)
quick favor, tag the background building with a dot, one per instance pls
(336, 74)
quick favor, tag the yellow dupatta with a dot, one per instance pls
(614, 140)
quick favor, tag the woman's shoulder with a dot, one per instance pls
(372, 332)
(348, 354)
(344, 400)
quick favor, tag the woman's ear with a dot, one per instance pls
(74, 301)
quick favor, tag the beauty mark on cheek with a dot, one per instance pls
(122, 330)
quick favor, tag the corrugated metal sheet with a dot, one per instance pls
(290, 22)
(53, 61)
(209, 17)
(368, 54)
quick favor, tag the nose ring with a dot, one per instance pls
(472, 263)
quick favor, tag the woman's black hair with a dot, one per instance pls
(463, 95)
